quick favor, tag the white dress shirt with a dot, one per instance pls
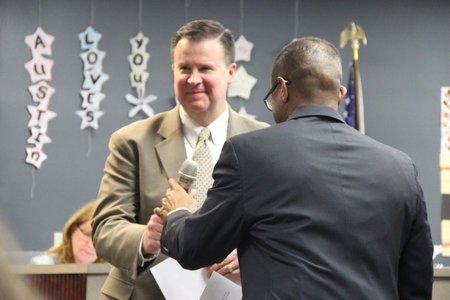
(218, 129)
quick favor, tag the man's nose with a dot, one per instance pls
(194, 78)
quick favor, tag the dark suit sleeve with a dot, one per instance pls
(209, 235)
(416, 264)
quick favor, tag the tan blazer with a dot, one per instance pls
(143, 155)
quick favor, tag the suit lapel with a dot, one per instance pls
(235, 125)
(170, 150)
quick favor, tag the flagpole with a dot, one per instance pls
(354, 33)
(358, 111)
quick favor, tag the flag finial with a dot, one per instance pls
(353, 33)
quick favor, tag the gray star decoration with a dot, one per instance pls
(243, 49)
(242, 85)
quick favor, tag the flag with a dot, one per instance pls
(354, 108)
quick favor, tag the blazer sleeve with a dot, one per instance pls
(116, 235)
(416, 265)
(210, 234)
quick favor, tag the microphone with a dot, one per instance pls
(187, 174)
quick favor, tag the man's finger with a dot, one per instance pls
(173, 184)
(160, 212)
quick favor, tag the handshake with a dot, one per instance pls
(176, 198)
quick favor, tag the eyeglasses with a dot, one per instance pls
(267, 101)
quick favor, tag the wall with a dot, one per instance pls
(403, 67)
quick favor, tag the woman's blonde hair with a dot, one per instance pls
(64, 251)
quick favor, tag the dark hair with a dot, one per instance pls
(200, 30)
(311, 64)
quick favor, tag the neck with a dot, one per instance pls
(206, 118)
(321, 98)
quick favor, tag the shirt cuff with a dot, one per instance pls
(178, 209)
(143, 259)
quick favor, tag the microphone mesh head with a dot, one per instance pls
(189, 168)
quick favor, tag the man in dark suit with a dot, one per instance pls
(316, 209)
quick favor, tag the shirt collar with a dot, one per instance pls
(191, 130)
(316, 110)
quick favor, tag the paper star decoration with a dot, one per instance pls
(138, 78)
(243, 49)
(141, 104)
(40, 42)
(92, 58)
(138, 61)
(91, 100)
(244, 112)
(242, 85)
(40, 117)
(38, 137)
(41, 92)
(35, 156)
(89, 38)
(94, 80)
(89, 118)
(40, 68)
(139, 43)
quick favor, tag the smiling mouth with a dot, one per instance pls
(195, 92)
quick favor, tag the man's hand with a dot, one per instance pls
(176, 197)
(229, 267)
(152, 235)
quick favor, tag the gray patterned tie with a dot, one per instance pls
(202, 155)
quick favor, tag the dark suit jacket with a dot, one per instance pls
(143, 155)
(316, 210)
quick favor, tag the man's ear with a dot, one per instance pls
(283, 89)
(342, 94)
(231, 72)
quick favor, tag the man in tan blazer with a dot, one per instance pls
(144, 154)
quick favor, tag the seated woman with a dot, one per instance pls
(76, 246)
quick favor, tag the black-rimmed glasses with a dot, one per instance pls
(267, 101)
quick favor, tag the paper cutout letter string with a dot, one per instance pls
(138, 60)
(40, 70)
(94, 78)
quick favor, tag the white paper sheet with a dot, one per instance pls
(219, 287)
(177, 283)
